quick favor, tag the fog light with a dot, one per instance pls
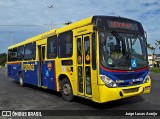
(147, 88)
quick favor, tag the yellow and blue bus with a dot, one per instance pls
(101, 58)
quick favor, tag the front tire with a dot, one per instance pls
(21, 81)
(66, 90)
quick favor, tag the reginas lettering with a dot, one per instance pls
(28, 67)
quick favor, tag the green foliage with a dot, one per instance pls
(155, 69)
(3, 59)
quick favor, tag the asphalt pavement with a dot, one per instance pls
(15, 97)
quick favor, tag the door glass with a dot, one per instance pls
(43, 52)
(87, 50)
(88, 80)
(79, 51)
(80, 79)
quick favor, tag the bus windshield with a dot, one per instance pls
(122, 51)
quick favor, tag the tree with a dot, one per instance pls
(153, 49)
(3, 59)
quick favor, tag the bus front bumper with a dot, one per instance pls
(110, 94)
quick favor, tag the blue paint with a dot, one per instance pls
(126, 76)
(13, 70)
(51, 84)
(31, 77)
(44, 78)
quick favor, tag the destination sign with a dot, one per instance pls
(122, 25)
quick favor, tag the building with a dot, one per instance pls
(154, 60)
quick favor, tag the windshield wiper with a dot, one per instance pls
(115, 33)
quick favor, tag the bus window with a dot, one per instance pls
(30, 51)
(20, 53)
(65, 44)
(12, 54)
(9, 55)
(52, 47)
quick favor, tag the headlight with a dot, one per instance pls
(109, 82)
(146, 79)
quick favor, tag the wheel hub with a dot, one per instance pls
(66, 89)
(20, 80)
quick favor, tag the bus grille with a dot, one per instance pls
(131, 90)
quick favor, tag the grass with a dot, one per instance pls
(155, 69)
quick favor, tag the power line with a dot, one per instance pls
(15, 25)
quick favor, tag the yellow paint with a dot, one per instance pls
(113, 93)
(28, 67)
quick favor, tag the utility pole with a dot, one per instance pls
(51, 15)
(11, 33)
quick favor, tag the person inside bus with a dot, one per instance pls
(116, 52)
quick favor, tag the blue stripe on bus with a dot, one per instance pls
(127, 77)
(31, 76)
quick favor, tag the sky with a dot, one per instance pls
(22, 19)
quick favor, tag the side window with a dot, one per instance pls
(52, 47)
(9, 55)
(12, 54)
(20, 53)
(30, 51)
(65, 44)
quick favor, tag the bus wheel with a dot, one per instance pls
(21, 81)
(66, 90)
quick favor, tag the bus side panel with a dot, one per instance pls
(30, 73)
(13, 70)
(50, 74)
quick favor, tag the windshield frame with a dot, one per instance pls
(143, 48)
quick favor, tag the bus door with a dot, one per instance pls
(42, 66)
(84, 65)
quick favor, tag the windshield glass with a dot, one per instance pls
(122, 51)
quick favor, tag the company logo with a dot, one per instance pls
(6, 113)
(28, 67)
(119, 81)
(20, 113)
(49, 66)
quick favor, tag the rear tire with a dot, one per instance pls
(21, 81)
(66, 90)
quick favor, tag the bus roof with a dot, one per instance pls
(83, 22)
(55, 31)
